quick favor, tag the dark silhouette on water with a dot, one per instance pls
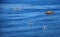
(49, 12)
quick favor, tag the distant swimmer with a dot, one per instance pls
(30, 23)
(49, 12)
(17, 9)
(44, 28)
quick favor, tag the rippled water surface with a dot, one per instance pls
(27, 18)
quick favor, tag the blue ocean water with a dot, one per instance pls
(27, 18)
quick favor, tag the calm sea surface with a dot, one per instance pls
(27, 18)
